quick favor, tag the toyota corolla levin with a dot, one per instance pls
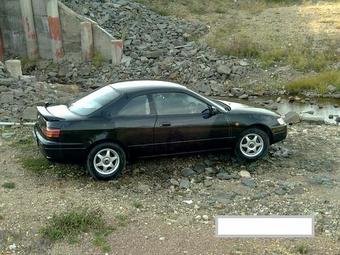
(135, 119)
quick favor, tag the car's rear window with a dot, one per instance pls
(94, 101)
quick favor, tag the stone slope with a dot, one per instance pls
(162, 47)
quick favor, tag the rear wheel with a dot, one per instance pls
(252, 144)
(106, 161)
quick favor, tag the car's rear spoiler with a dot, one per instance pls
(43, 111)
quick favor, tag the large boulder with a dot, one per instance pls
(13, 67)
(292, 118)
(223, 69)
(313, 119)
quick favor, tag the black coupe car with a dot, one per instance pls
(136, 119)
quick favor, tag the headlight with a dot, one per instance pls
(281, 121)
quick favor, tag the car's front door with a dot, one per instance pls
(134, 126)
(181, 127)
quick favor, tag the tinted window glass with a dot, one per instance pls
(94, 101)
(178, 103)
(136, 106)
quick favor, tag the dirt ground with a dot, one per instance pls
(282, 26)
(304, 181)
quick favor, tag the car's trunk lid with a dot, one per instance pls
(53, 116)
(56, 113)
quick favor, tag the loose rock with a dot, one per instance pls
(186, 172)
(292, 118)
(244, 174)
(248, 182)
(184, 183)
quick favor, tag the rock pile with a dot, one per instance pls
(3, 73)
(18, 98)
(155, 47)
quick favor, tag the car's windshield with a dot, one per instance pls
(225, 106)
(94, 101)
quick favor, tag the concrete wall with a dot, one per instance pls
(14, 35)
(70, 24)
(71, 34)
(42, 29)
(12, 28)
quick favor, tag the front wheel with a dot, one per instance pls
(252, 144)
(105, 161)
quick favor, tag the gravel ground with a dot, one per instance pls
(167, 213)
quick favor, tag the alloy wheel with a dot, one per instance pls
(106, 161)
(251, 145)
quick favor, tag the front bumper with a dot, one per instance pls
(59, 151)
(279, 133)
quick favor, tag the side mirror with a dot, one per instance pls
(206, 113)
(210, 111)
(213, 111)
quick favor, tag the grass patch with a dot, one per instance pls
(306, 59)
(22, 138)
(272, 56)
(97, 59)
(337, 26)
(28, 65)
(302, 57)
(23, 142)
(8, 185)
(284, 2)
(69, 225)
(185, 8)
(316, 82)
(137, 204)
(40, 166)
(239, 45)
(121, 219)
(229, 36)
(302, 249)
(36, 165)
(101, 241)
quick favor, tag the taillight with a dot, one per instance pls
(51, 132)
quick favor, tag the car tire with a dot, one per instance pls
(106, 161)
(252, 144)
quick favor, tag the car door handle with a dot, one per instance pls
(165, 124)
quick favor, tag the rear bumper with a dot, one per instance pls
(58, 151)
(279, 133)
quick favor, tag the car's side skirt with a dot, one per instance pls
(179, 142)
(185, 153)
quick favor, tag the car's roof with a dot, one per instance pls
(144, 85)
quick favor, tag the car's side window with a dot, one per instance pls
(177, 103)
(138, 106)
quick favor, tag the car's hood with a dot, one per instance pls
(243, 107)
(234, 105)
